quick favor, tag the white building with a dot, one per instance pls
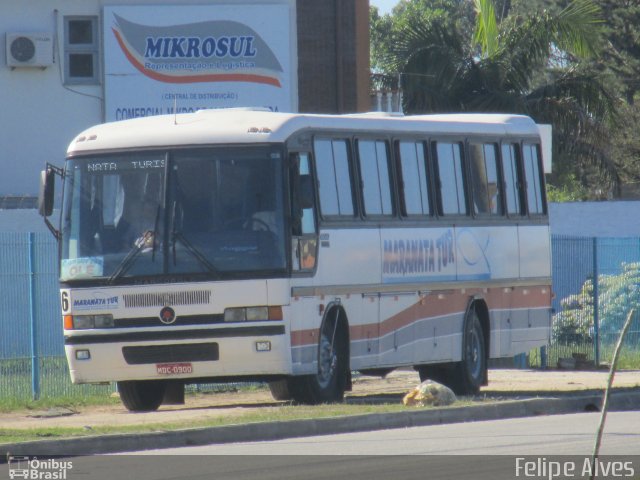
(69, 64)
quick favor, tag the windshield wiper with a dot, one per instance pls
(127, 261)
(193, 251)
(155, 230)
(176, 234)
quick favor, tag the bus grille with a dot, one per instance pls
(138, 300)
(197, 352)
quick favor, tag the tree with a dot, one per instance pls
(619, 60)
(621, 57)
(386, 29)
(622, 51)
(534, 65)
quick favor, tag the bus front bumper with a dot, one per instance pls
(253, 356)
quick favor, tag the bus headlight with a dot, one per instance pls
(103, 321)
(252, 314)
(257, 313)
(235, 315)
(83, 322)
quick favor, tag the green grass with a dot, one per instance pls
(56, 388)
(15, 404)
(629, 358)
(57, 391)
(629, 355)
(54, 381)
(264, 414)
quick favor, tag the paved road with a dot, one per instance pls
(462, 451)
(545, 435)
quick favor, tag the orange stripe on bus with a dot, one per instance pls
(438, 305)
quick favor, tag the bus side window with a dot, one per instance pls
(535, 185)
(512, 179)
(375, 179)
(413, 178)
(334, 179)
(452, 199)
(305, 241)
(483, 160)
(305, 200)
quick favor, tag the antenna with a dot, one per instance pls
(175, 109)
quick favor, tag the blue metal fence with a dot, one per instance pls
(32, 362)
(589, 315)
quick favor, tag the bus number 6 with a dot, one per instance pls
(65, 301)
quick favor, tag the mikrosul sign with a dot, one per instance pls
(158, 59)
(213, 51)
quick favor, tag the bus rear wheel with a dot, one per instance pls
(141, 395)
(470, 373)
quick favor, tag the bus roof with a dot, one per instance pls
(242, 126)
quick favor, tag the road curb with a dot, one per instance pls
(619, 401)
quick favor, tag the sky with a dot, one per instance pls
(384, 6)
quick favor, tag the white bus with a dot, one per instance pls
(237, 244)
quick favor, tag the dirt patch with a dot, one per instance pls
(200, 407)
(550, 381)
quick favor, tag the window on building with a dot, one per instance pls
(81, 50)
(413, 178)
(512, 178)
(334, 180)
(374, 171)
(452, 196)
(483, 159)
(535, 194)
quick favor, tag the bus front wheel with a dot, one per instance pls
(330, 382)
(280, 389)
(141, 395)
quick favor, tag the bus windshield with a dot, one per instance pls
(217, 212)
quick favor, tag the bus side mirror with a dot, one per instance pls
(46, 195)
(47, 192)
(306, 192)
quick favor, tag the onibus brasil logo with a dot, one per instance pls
(38, 469)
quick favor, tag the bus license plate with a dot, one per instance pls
(173, 368)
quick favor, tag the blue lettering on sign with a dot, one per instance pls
(196, 47)
(419, 256)
(95, 302)
(135, 112)
(176, 48)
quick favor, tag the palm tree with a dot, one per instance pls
(532, 66)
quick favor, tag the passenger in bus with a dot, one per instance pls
(494, 199)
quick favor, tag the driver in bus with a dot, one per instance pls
(140, 224)
(146, 225)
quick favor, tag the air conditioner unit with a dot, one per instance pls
(29, 49)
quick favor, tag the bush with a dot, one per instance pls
(617, 294)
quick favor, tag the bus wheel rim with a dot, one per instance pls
(327, 361)
(474, 362)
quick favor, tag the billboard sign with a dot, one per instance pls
(166, 59)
